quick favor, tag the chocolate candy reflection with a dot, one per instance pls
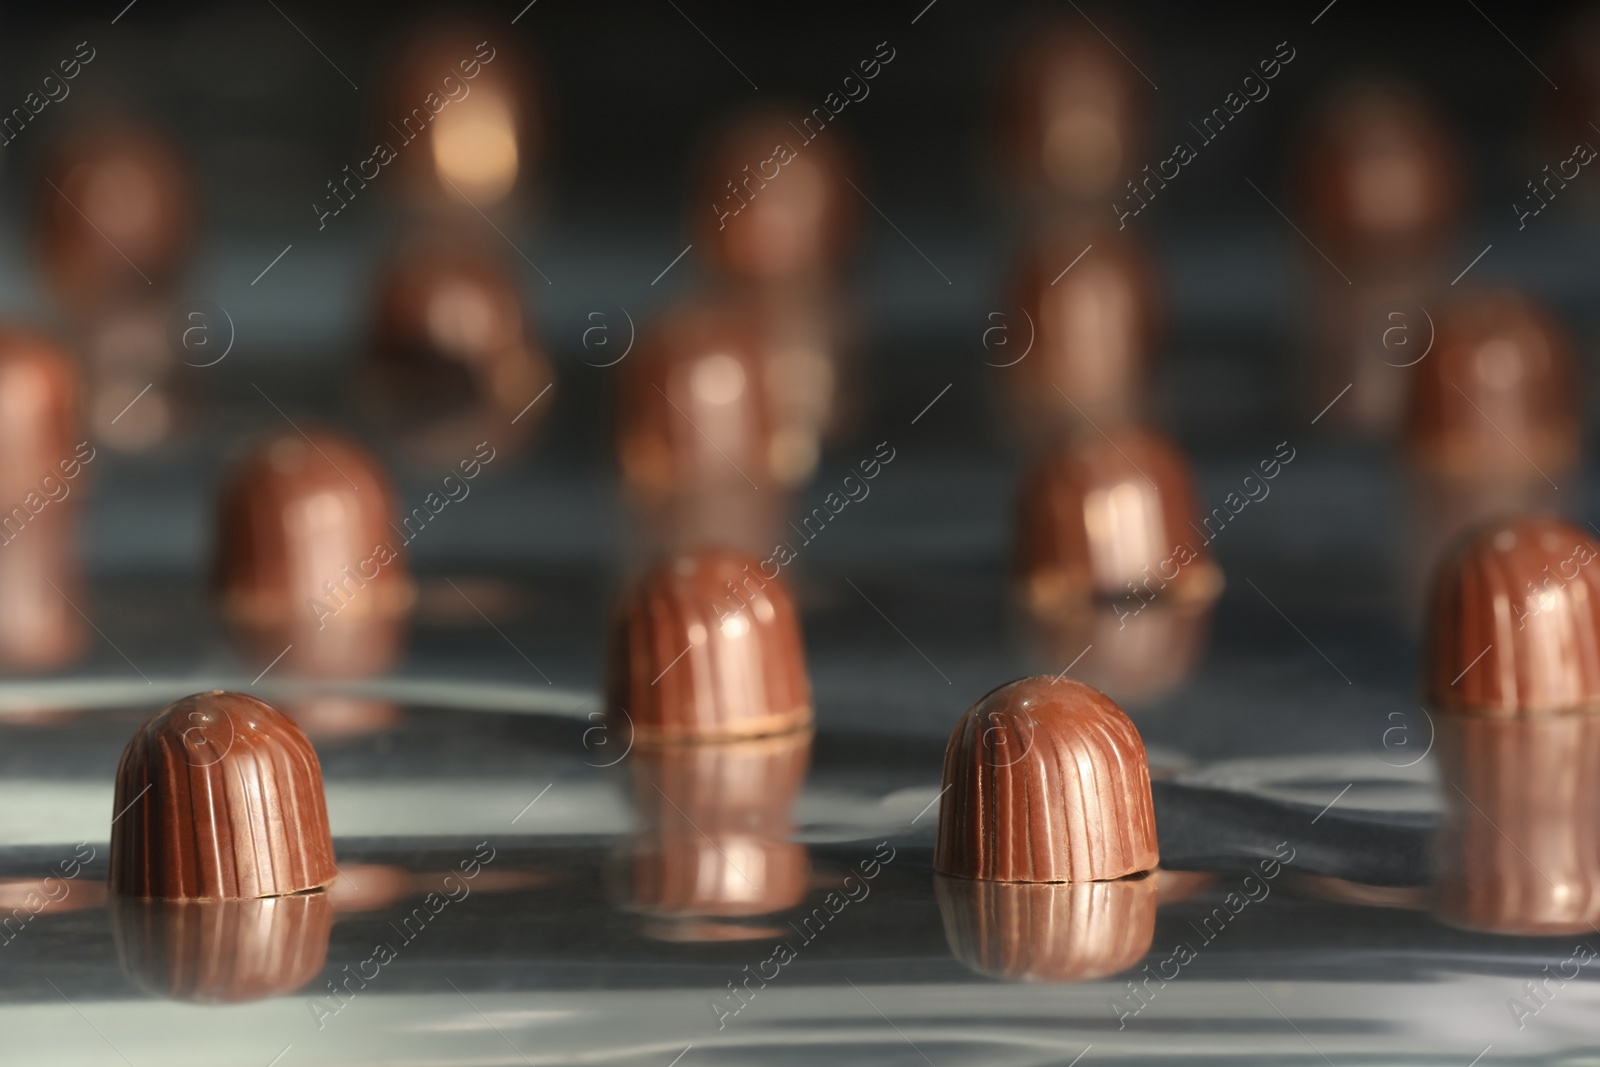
(1519, 851)
(714, 839)
(1047, 782)
(222, 951)
(773, 206)
(452, 361)
(1112, 517)
(115, 213)
(459, 120)
(1071, 116)
(1076, 349)
(1515, 627)
(706, 646)
(693, 412)
(1380, 177)
(219, 798)
(307, 556)
(1066, 932)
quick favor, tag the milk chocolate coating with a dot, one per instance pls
(1524, 595)
(715, 837)
(40, 429)
(693, 413)
(113, 189)
(706, 646)
(1109, 516)
(1092, 330)
(223, 951)
(461, 113)
(1497, 398)
(304, 520)
(219, 797)
(772, 206)
(1046, 781)
(1519, 850)
(1066, 932)
(1071, 116)
(1381, 176)
(453, 359)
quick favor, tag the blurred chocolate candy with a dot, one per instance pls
(219, 797)
(1112, 517)
(1519, 848)
(459, 119)
(308, 556)
(42, 589)
(1077, 347)
(1132, 650)
(706, 645)
(692, 410)
(453, 360)
(714, 838)
(40, 428)
(1380, 177)
(774, 203)
(1065, 932)
(1515, 628)
(115, 213)
(1045, 781)
(223, 951)
(1071, 116)
(1497, 398)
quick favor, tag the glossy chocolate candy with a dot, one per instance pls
(115, 213)
(1380, 177)
(1515, 628)
(705, 646)
(453, 360)
(308, 555)
(1071, 116)
(693, 413)
(1112, 517)
(774, 204)
(1496, 400)
(219, 797)
(1045, 781)
(1076, 348)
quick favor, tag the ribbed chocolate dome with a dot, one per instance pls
(1516, 621)
(1519, 848)
(1063, 932)
(219, 797)
(223, 951)
(1046, 781)
(705, 646)
(1108, 517)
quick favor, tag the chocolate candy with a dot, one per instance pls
(115, 213)
(1112, 517)
(1381, 177)
(706, 645)
(693, 413)
(1076, 348)
(1516, 622)
(773, 206)
(223, 951)
(1067, 932)
(1045, 780)
(1071, 116)
(39, 426)
(452, 360)
(219, 797)
(1496, 399)
(1519, 848)
(714, 839)
(307, 554)
(459, 119)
